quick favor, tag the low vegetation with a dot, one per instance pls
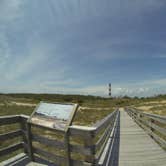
(92, 109)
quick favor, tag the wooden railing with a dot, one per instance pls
(84, 145)
(20, 131)
(155, 125)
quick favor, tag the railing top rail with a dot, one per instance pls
(155, 116)
(97, 126)
(9, 116)
(148, 114)
(148, 122)
(104, 120)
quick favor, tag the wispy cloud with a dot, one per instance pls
(10, 10)
(79, 46)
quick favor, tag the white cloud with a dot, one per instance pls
(10, 10)
(35, 56)
(148, 88)
(144, 88)
(4, 48)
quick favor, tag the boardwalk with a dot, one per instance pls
(136, 147)
(123, 142)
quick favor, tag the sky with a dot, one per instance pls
(79, 46)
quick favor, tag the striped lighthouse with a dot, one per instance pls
(109, 88)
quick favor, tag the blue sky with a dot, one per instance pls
(79, 46)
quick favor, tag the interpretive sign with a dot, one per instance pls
(53, 115)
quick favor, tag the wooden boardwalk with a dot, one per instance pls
(122, 142)
(136, 147)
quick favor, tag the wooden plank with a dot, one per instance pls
(29, 136)
(41, 159)
(154, 126)
(24, 117)
(60, 145)
(151, 124)
(136, 147)
(5, 120)
(47, 128)
(66, 136)
(46, 141)
(159, 129)
(104, 122)
(108, 150)
(24, 128)
(161, 141)
(89, 141)
(161, 119)
(17, 160)
(11, 149)
(100, 152)
(52, 163)
(104, 136)
(154, 136)
(81, 131)
(59, 160)
(84, 150)
(10, 135)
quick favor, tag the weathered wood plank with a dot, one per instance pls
(153, 126)
(17, 160)
(84, 150)
(59, 160)
(11, 149)
(81, 131)
(10, 135)
(29, 136)
(47, 128)
(104, 136)
(111, 133)
(24, 128)
(104, 122)
(158, 118)
(136, 146)
(105, 157)
(148, 126)
(5, 120)
(46, 141)
(155, 136)
(60, 145)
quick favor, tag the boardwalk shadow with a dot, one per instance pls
(25, 161)
(114, 159)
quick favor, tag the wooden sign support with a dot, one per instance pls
(65, 129)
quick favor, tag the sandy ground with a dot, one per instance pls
(23, 104)
(145, 107)
(156, 102)
(105, 108)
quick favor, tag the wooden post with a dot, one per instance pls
(89, 141)
(67, 147)
(66, 136)
(151, 128)
(30, 150)
(23, 124)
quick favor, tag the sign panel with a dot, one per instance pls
(53, 115)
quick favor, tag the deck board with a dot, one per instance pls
(136, 147)
(22, 159)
